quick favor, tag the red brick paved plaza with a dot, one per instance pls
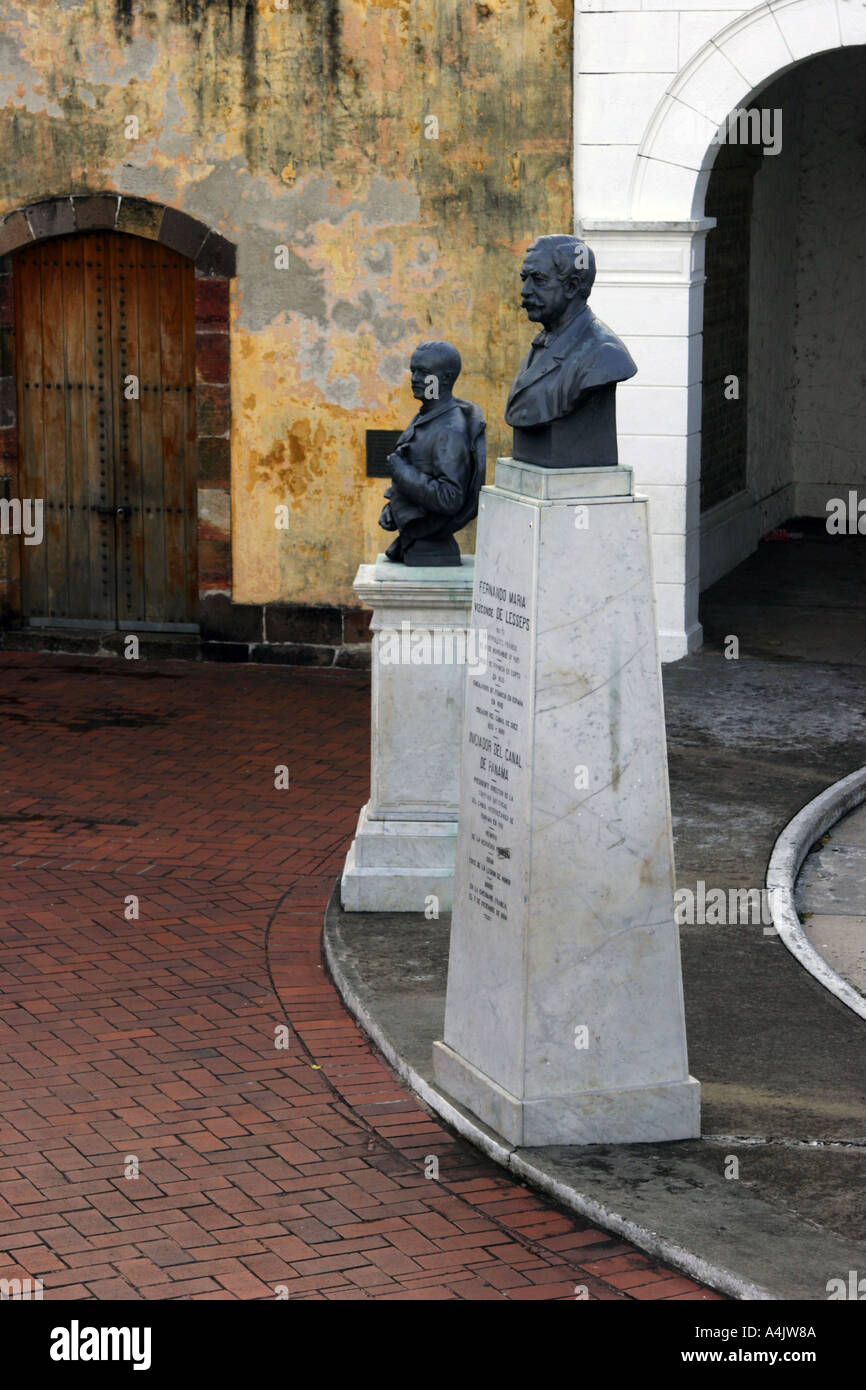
(153, 1041)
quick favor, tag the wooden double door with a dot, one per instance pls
(105, 362)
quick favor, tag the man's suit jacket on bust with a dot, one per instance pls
(554, 377)
(436, 466)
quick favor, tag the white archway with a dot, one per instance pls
(652, 89)
(673, 164)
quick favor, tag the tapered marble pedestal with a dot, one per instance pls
(564, 1019)
(402, 856)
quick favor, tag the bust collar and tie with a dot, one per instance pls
(549, 338)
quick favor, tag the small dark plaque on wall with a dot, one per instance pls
(380, 443)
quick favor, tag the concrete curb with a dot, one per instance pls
(705, 1272)
(786, 860)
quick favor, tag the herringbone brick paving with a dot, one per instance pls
(157, 1138)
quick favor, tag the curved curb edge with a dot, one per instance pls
(716, 1276)
(786, 860)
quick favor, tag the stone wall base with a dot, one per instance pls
(273, 634)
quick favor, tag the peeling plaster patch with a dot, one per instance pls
(313, 361)
(391, 329)
(309, 201)
(172, 139)
(224, 189)
(350, 316)
(250, 203)
(344, 391)
(318, 199)
(99, 62)
(265, 292)
(12, 56)
(373, 308)
(30, 101)
(176, 138)
(314, 357)
(21, 84)
(145, 181)
(312, 200)
(245, 207)
(390, 201)
(392, 370)
(379, 258)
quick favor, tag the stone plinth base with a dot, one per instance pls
(403, 851)
(641, 1115)
(397, 865)
(564, 1018)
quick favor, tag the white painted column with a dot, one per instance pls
(650, 290)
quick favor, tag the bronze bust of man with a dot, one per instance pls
(437, 467)
(562, 404)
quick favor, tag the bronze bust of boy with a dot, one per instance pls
(437, 467)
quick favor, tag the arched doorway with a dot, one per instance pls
(640, 186)
(783, 311)
(156, 306)
(105, 367)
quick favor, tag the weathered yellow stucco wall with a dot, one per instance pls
(304, 126)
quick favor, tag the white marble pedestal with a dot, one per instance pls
(403, 851)
(564, 1019)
